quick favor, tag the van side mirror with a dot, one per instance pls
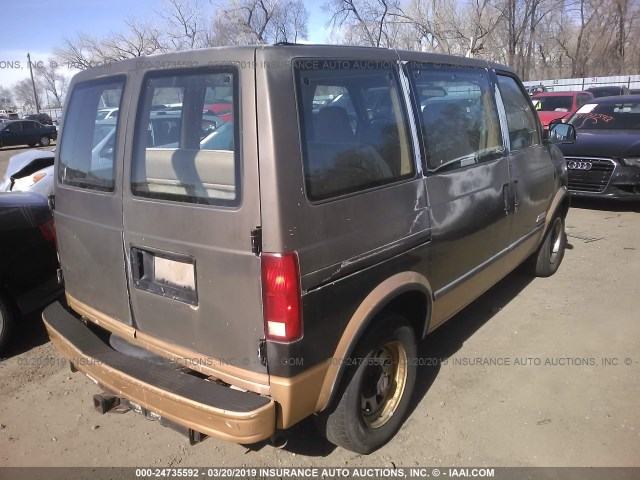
(561, 133)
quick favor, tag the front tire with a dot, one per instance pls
(7, 320)
(546, 261)
(376, 391)
(44, 141)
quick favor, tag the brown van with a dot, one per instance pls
(230, 275)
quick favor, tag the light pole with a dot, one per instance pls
(35, 93)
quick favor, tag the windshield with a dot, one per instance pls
(553, 104)
(605, 92)
(608, 116)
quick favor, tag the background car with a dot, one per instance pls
(605, 159)
(608, 91)
(30, 171)
(43, 118)
(28, 259)
(26, 132)
(220, 108)
(554, 105)
(106, 113)
(535, 89)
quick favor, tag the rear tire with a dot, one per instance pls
(7, 320)
(546, 261)
(375, 393)
(44, 141)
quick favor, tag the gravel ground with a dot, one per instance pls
(562, 388)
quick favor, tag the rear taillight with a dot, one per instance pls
(281, 296)
(48, 230)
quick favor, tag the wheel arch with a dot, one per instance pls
(406, 293)
(559, 206)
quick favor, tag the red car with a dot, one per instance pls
(553, 105)
(220, 108)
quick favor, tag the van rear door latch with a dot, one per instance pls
(256, 240)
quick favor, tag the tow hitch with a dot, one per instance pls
(106, 402)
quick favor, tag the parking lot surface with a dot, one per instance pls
(537, 372)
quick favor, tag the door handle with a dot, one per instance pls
(515, 196)
(505, 198)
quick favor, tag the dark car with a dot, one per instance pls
(26, 132)
(605, 159)
(536, 89)
(28, 263)
(43, 118)
(608, 91)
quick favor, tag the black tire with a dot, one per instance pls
(547, 259)
(44, 141)
(7, 320)
(364, 417)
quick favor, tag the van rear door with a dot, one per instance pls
(89, 199)
(191, 203)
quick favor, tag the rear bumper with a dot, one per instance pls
(206, 407)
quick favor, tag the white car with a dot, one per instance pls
(30, 171)
(106, 113)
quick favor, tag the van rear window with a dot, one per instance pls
(185, 146)
(354, 128)
(88, 146)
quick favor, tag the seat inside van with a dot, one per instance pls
(337, 161)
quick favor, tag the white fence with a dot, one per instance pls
(577, 84)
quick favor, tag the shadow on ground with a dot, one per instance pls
(28, 333)
(606, 205)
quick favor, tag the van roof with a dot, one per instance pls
(288, 52)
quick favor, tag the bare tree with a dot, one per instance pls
(246, 22)
(6, 99)
(52, 81)
(186, 24)
(535, 37)
(23, 93)
(363, 22)
(137, 39)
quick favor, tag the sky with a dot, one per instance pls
(38, 26)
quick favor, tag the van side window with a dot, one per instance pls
(521, 119)
(355, 133)
(87, 150)
(459, 118)
(185, 138)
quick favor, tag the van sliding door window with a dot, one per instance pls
(355, 133)
(186, 138)
(88, 146)
(458, 115)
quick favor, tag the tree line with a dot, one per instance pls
(538, 38)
